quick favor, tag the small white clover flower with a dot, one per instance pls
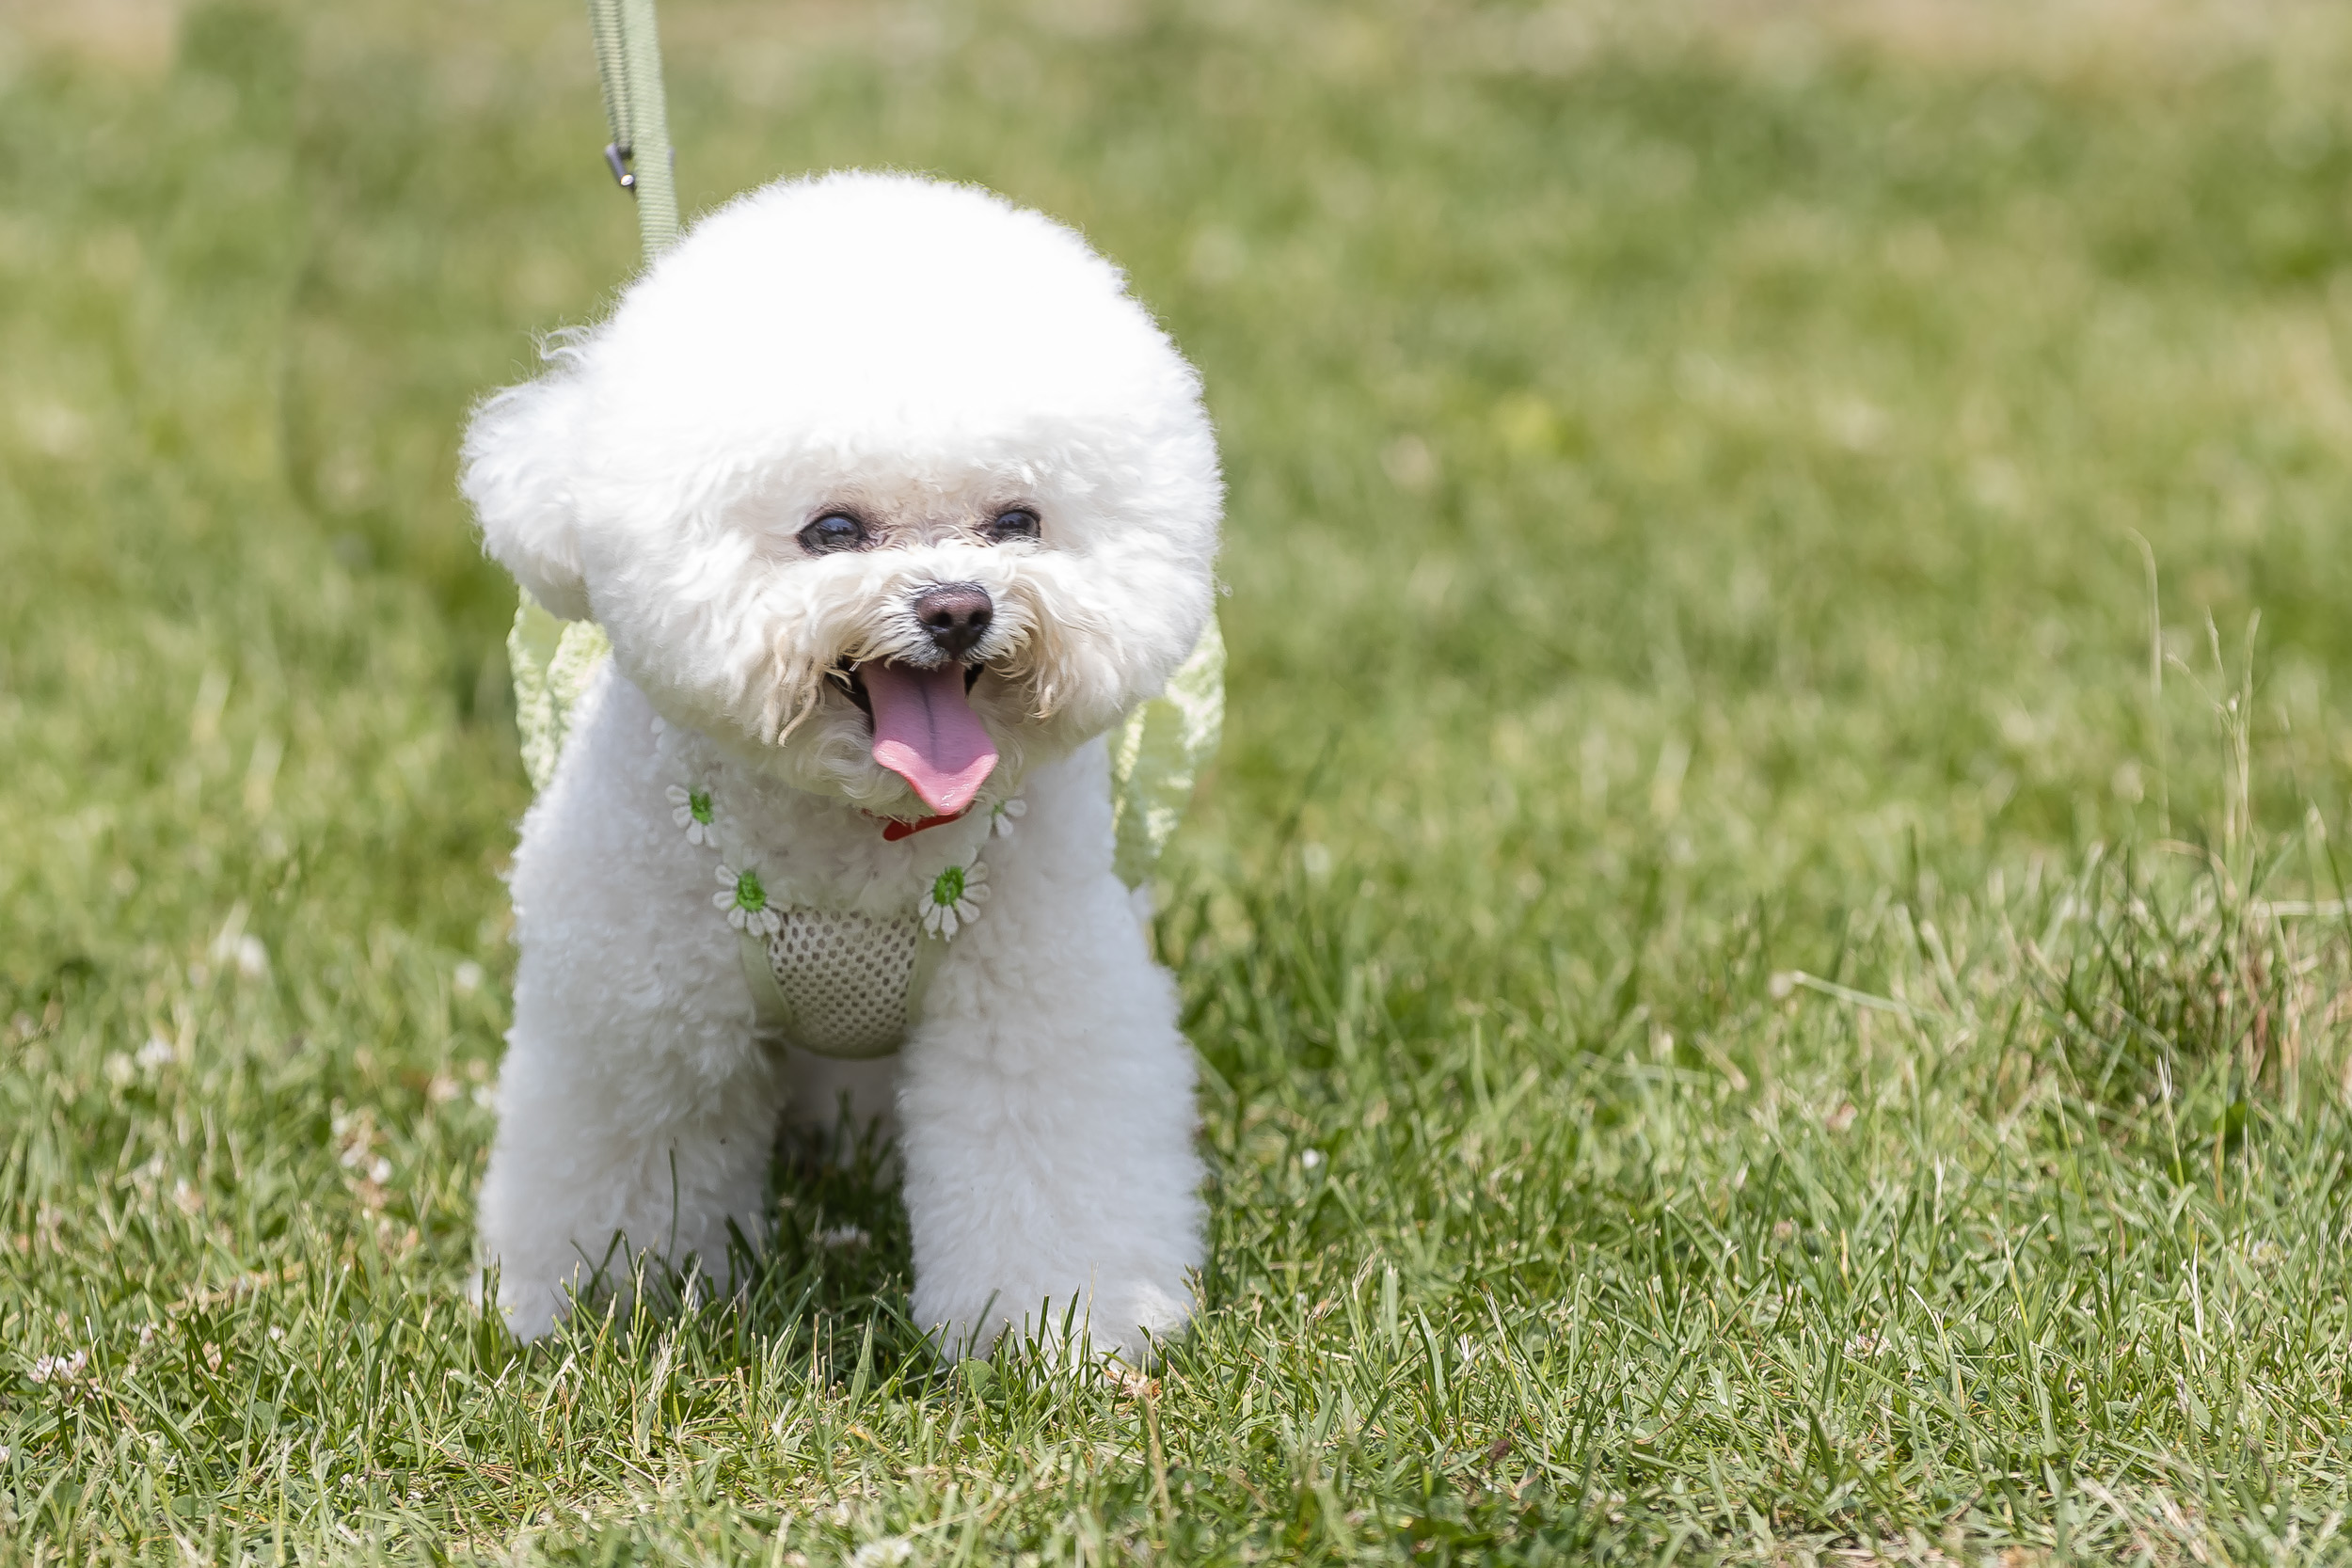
(955, 899)
(744, 900)
(691, 810)
(1006, 815)
(60, 1368)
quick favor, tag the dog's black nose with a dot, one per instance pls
(955, 614)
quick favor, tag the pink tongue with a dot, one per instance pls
(926, 733)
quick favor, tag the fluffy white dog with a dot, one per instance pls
(893, 502)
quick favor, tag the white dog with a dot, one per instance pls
(891, 502)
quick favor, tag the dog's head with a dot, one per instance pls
(885, 477)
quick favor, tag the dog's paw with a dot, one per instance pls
(1140, 1319)
(529, 1311)
(1125, 1321)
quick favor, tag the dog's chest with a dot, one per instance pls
(841, 917)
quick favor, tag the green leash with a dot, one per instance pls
(629, 63)
(1156, 754)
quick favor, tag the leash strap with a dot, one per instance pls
(628, 64)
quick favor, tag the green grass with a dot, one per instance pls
(1767, 946)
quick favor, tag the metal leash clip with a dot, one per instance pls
(616, 158)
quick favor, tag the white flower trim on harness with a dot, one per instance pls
(955, 898)
(948, 903)
(694, 814)
(745, 899)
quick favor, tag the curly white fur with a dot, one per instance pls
(924, 356)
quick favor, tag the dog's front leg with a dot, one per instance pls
(637, 1114)
(619, 1141)
(1046, 1108)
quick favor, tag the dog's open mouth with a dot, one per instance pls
(924, 728)
(846, 672)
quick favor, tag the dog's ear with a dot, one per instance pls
(521, 456)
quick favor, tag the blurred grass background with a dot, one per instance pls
(1722, 494)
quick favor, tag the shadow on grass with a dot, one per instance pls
(827, 1295)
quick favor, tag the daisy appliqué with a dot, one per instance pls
(692, 811)
(1006, 815)
(743, 897)
(954, 898)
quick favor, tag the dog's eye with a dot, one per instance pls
(834, 531)
(1018, 523)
